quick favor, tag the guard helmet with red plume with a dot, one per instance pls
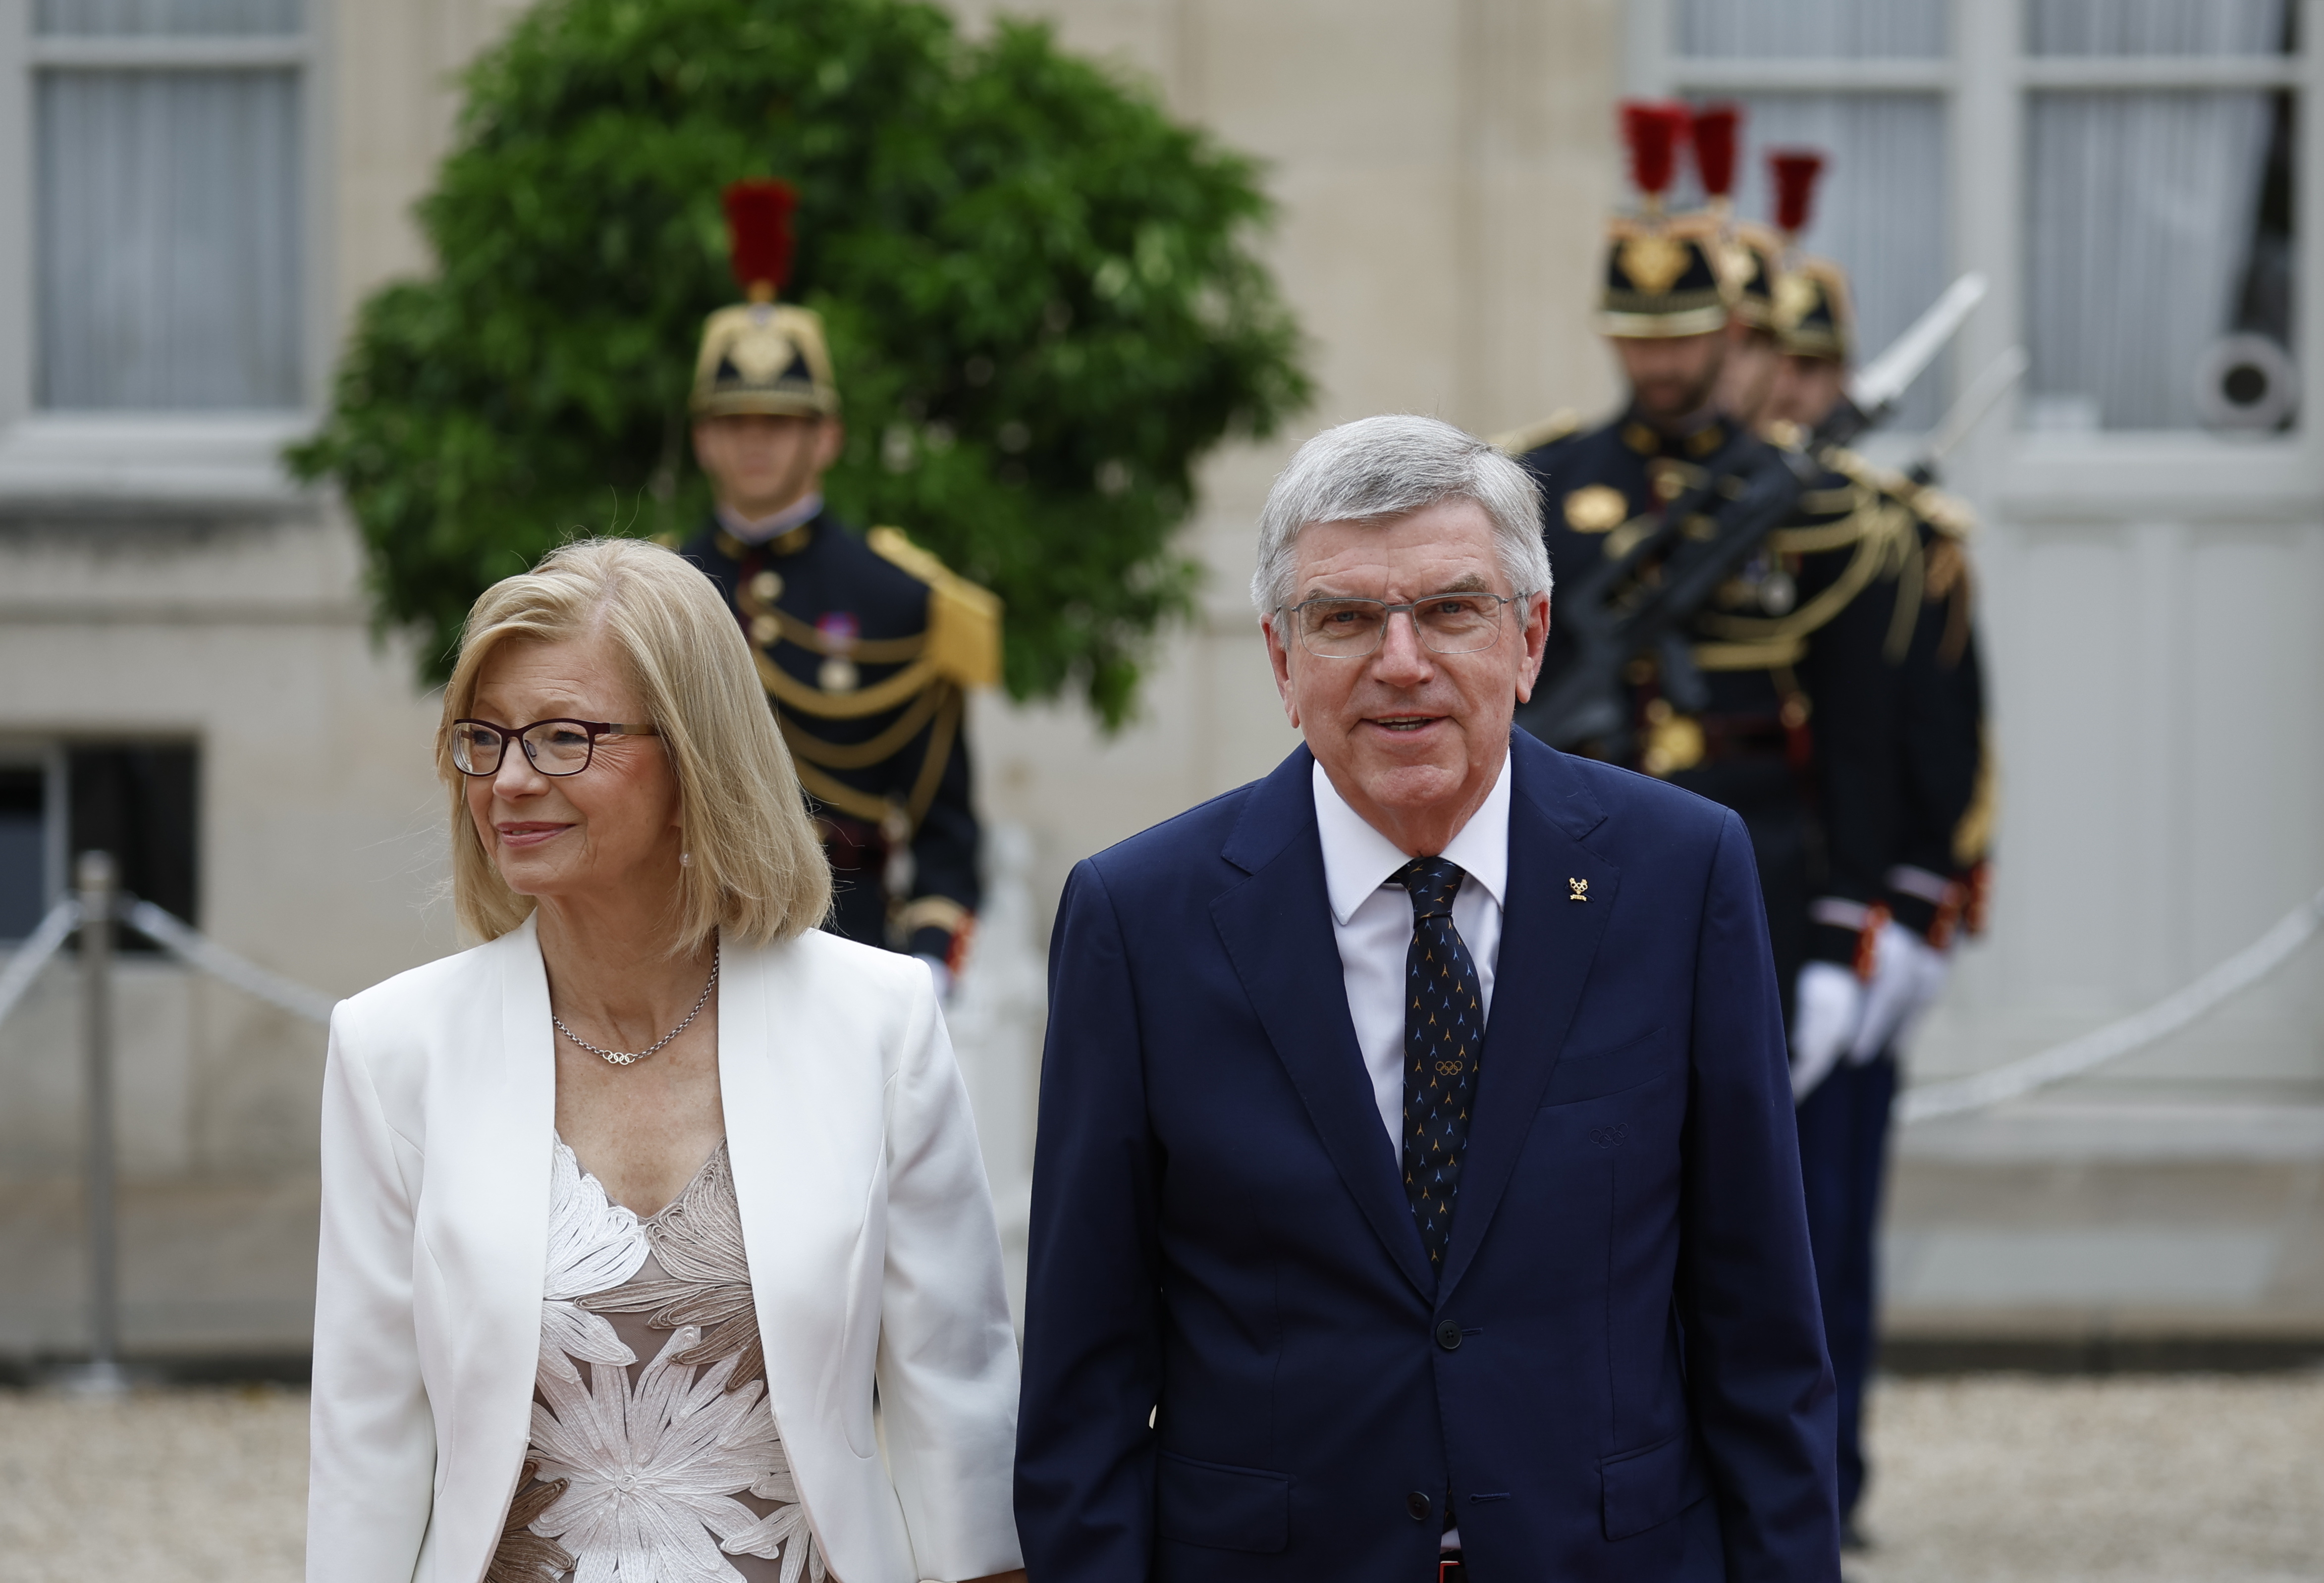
(1794, 172)
(758, 233)
(1714, 134)
(1654, 132)
(764, 358)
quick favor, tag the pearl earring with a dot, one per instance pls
(685, 860)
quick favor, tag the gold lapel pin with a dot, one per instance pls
(1580, 888)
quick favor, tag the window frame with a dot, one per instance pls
(1986, 83)
(210, 461)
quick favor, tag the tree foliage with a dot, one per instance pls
(1040, 294)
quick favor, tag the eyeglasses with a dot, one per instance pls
(552, 747)
(1446, 623)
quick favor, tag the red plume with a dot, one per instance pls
(1795, 171)
(759, 229)
(1654, 132)
(1715, 127)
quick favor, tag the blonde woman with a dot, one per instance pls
(628, 1211)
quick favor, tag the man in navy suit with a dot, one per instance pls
(1416, 1194)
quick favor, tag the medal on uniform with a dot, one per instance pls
(839, 630)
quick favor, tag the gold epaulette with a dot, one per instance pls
(963, 643)
(1938, 572)
(1517, 442)
(1862, 469)
(1948, 515)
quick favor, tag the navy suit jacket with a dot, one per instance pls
(1238, 1364)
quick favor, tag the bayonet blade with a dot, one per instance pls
(1878, 384)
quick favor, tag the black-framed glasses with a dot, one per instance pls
(1445, 623)
(552, 747)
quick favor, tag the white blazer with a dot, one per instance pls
(874, 1259)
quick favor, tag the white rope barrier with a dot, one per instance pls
(33, 954)
(189, 945)
(1973, 1092)
(2159, 1021)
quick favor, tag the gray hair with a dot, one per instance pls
(1379, 468)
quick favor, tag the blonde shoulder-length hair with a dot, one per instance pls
(756, 869)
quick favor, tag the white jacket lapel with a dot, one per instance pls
(807, 1138)
(490, 1155)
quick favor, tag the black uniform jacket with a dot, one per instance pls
(836, 624)
(1802, 734)
(1948, 783)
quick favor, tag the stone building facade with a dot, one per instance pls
(175, 615)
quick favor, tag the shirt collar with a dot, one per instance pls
(1358, 859)
(766, 528)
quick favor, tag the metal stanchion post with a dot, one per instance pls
(94, 876)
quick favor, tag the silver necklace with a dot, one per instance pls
(624, 1057)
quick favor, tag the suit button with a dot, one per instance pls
(1448, 1336)
(1417, 1505)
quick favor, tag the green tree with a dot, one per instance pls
(1041, 295)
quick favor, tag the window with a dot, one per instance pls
(136, 800)
(167, 212)
(2158, 220)
(1859, 79)
(2135, 161)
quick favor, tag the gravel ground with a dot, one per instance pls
(2182, 1478)
(167, 1487)
(1984, 1479)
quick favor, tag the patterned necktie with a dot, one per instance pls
(1443, 1040)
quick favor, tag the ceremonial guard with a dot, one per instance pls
(1750, 256)
(1835, 670)
(1771, 647)
(1931, 889)
(867, 645)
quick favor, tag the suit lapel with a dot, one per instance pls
(1548, 942)
(1277, 929)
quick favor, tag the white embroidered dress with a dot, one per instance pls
(654, 1458)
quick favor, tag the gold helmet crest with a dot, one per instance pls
(761, 357)
(1663, 274)
(1813, 316)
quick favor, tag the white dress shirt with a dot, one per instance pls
(1371, 922)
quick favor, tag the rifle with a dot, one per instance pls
(1750, 488)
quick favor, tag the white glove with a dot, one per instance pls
(1826, 1009)
(1907, 972)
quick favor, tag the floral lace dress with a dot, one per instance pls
(654, 1457)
